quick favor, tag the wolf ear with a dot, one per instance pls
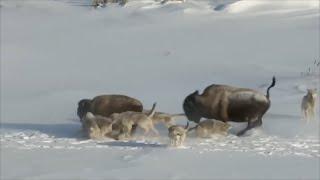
(196, 92)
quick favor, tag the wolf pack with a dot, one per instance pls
(119, 116)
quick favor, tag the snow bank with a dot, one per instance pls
(54, 53)
(271, 6)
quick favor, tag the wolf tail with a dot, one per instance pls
(153, 110)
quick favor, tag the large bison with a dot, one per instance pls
(227, 103)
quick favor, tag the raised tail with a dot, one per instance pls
(153, 110)
(271, 86)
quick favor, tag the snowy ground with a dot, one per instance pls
(55, 52)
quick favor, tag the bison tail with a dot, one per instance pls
(271, 86)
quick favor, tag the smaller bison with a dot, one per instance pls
(105, 105)
(227, 103)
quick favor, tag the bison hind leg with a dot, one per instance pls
(252, 123)
(257, 123)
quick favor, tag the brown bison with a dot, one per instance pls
(227, 103)
(105, 105)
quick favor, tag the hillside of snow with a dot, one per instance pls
(56, 52)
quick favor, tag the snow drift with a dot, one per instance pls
(56, 52)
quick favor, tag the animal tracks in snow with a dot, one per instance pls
(264, 145)
(258, 144)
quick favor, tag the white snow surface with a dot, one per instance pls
(56, 52)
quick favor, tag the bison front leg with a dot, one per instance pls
(224, 110)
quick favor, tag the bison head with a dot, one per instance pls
(83, 107)
(190, 108)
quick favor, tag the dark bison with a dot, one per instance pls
(227, 103)
(105, 105)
